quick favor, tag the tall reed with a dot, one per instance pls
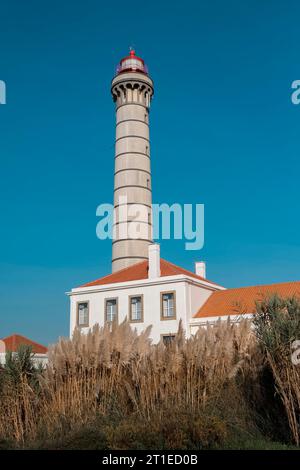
(113, 370)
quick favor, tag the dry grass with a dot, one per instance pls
(118, 372)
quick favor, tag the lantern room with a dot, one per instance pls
(132, 63)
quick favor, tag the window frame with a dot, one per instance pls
(164, 335)
(83, 325)
(162, 317)
(117, 309)
(142, 308)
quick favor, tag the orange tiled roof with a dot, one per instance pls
(139, 271)
(242, 300)
(13, 342)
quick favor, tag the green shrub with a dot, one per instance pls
(277, 326)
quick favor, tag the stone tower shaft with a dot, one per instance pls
(132, 90)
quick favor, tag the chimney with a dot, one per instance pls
(200, 268)
(154, 260)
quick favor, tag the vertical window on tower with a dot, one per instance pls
(146, 117)
(147, 148)
(136, 308)
(168, 305)
(83, 314)
(111, 310)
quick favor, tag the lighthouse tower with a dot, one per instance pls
(132, 90)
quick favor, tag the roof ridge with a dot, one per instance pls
(192, 273)
(17, 335)
(165, 265)
(182, 269)
(261, 285)
(13, 335)
(116, 272)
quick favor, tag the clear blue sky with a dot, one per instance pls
(223, 131)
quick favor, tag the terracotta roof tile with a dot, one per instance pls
(139, 271)
(242, 300)
(13, 342)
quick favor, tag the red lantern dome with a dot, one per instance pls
(132, 63)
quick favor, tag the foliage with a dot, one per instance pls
(117, 375)
(20, 365)
(277, 326)
(113, 389)
(19, 391)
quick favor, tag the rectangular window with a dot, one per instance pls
(168, 305)
(83, 314)
(111, 310)
(136, 308)
(168, 339)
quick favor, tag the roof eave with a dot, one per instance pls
(201, 321)
(144, 282)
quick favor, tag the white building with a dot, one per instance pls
(153, 292)
(144, 288)
(159, 293)
(12, 344)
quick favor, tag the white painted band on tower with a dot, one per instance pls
(132, 90)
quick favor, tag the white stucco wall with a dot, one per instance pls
(196, 298)
(37, 358)
(189, 297)
(196, 323)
